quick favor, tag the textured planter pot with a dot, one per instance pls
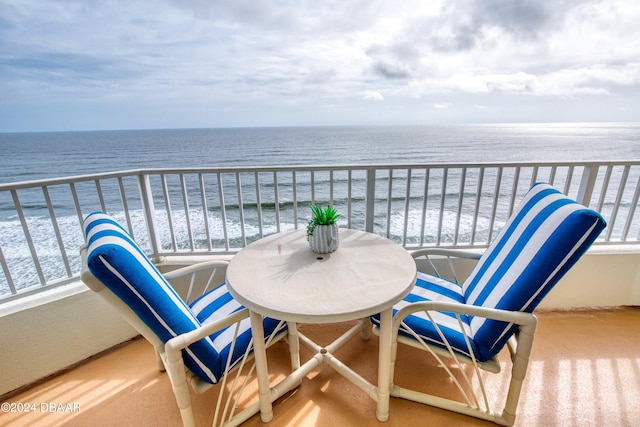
(325, 239)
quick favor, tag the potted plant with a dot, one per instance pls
(322, 229)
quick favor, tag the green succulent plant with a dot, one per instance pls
(321, 216)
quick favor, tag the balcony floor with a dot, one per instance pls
(584, 371)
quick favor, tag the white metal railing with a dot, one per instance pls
(220, 210)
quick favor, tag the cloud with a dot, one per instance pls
(463, 25)
(391, 71)
(521, 18)
(592, 80)
(520, 47)
(371, 95)
(248, 56)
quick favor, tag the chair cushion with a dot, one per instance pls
(544, 237)
(119, 263)
(430, 288)
(217, 304)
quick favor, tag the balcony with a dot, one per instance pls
(585, 366)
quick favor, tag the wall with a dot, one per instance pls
(55, 330)
(606, 276)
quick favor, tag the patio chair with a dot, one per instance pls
(197, 343)
(464, 326)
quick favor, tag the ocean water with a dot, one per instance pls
(33, 156)
(29, 156)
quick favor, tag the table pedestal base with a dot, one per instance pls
(380, 393)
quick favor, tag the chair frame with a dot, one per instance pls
(519, 345)
(169, 355)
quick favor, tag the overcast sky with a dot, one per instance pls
(112, 64)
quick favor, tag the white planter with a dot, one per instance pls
(325, 239)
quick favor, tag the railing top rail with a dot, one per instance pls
(318, 167)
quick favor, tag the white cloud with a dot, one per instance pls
(372, 95)
(171, 55)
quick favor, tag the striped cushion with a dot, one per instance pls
(545, 236)
(430, 288)
(119, 263)
(543, 239)
(217, 304)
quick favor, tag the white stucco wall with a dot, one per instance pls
(606, 276)
(43, 334)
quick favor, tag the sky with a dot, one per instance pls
(155, 64)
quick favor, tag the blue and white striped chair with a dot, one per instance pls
(203, 340)
(471, 322)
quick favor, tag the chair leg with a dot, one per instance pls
(520, 360)
(178, 378)
(160, 363)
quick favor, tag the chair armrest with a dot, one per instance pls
(204, 277)
(440, 262)
(190, 269)
(516, 317)
(452, 253)
(178, 343)
(174, 363)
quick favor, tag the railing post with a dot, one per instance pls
(587, 183)
(7, 273)
(148, 208)
(370, 200)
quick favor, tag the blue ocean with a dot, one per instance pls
(35, 156)
(30, 156)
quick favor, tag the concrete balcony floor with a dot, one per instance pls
(584, 371)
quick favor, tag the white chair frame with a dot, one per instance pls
(169, 355)
(475, 404)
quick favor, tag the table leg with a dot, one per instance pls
(262, 372)
(294, 345)
(365, 334)
(384, 365)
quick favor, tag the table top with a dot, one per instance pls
(280, 277)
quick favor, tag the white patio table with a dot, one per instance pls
(280, 277)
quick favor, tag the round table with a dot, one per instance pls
(280, 277)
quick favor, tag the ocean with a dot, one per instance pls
(30, 156)
(34, 156)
